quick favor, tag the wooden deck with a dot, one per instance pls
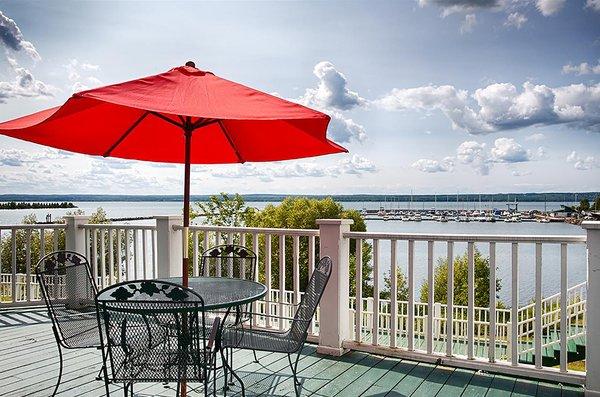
(29, 366)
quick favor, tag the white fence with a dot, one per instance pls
(286, 258)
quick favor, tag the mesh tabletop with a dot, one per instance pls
(222, 292)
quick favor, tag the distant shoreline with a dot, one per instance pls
(389, 198)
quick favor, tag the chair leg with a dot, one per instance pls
(225, 375)
(231, 373)
(60, 370)
(227, 367)
(294, 368)
(255, 358)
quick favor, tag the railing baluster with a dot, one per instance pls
(119, 257)
(375, 331)
(311, 267)
(55, 240)
(492, 319)
(358, 314)
(127, 255)
(14, 264)
(393, 293)
(102, 258)
(206, 244)
(281, 279)
(135, 254)
(144, 256)
(538, 306)
(94, 257)
(514, 316)
(154, 258)
(230, 260)
(563, 307)
(28, 266)
(430, 297)
(268, 279)
(471, 299)
(111, 256)
(450, 299)
(411, 295)
(195, 253)
(218, 261)
(256, 251)
(296, 268)
(42, 244)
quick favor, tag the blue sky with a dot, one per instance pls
(433, 96)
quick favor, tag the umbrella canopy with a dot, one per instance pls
(143, 119)
(185, 115)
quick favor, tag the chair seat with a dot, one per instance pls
(80, 331)
(253, 339)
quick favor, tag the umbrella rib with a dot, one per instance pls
(122, 137)
(226, 133)
(165, 118)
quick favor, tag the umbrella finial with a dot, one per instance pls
(190, 64)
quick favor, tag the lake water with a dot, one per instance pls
(551, 252)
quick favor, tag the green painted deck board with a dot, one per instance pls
(29, 366)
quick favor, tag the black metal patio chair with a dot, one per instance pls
(290, 341)
(156, 331)
(69, 290)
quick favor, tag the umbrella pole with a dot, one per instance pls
(186, 205)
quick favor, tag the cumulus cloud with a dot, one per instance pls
(80, 75)
(25, 85)
(343, 130)
(332, 91)
(433, 166)
(354, 165)
(593, 4)
(506, 150)
(515, 19)
(467, 25)
(501, 106)
(12, 38)
(582, 68)
(582, 163)
(460, 6)
(473, 153)
(549, 7)
(538, 136)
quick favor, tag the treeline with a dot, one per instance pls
(13, 205)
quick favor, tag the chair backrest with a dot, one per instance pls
(69, 290)
(310, 300)
(155, 331)
(229, 260)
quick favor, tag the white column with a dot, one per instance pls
(75, 241)
(334, 323)
(75, 234)
(168, 246)
(592, 349)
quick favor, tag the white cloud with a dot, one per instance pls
(80, 75)
(501, 106)
(12, 38)
(549, 7)
(582, 68)
(515, 19)
(593, 4)
(343, 130)
(520, 173)
(354, 165)
(473, 153)
(468, 24)
(461, 6)
(506, 150)
(582, 163)
(433, 166)
(25, 85)
(332, 91)
(536, 137)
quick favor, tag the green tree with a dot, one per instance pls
(597, 203)
(401, 286)
(482, 281)
(302, 213)
(222, 210)
(584, 204)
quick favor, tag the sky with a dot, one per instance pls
(428, 96)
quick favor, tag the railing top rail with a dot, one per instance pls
(500, 238)
(117, 226)
(263, 230)
(34, 226)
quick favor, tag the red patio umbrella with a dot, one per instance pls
(185, 115)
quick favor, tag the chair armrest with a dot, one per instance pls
(213, 333)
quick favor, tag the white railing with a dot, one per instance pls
(276, 249)
(121, 252)
(465, 333)
(22, 246)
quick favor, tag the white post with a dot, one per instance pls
(75, 234)
(334, 321)
(168, 246)
(75, 241)
(592, 349)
